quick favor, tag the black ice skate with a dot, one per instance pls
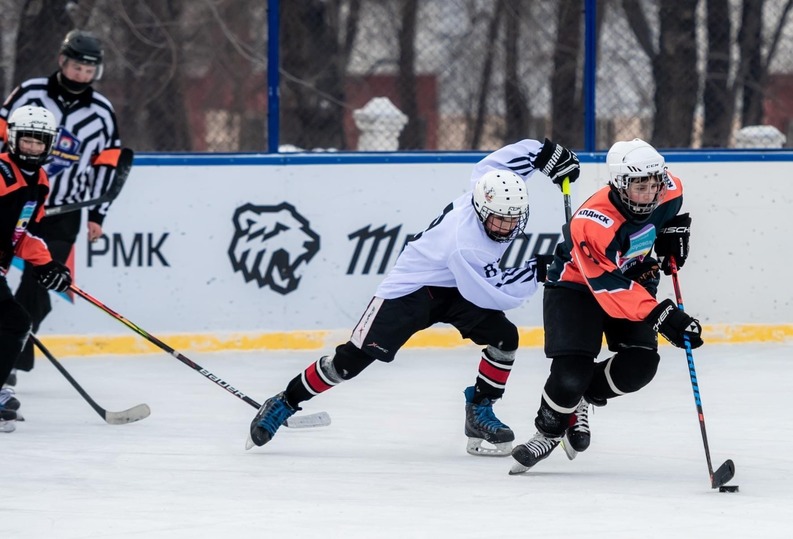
(577, 438)
(482, 425)
(273, 413)
(532, 452)
(7, 399)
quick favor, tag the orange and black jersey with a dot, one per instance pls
(21, 201)
(85, 152)
(601, 242)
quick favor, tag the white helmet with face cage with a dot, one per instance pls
(33, 122)
(501, 193)
(636, 161)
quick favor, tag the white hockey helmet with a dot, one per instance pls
(502, 193)
(34, 122)
(636, 161)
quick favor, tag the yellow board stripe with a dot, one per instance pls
(442, 337)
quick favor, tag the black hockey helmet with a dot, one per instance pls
(82, 46)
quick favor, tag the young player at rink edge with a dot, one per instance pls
(604, 281)
(448, 273)
(23, 191)
(82, 164)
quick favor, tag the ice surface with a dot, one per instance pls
(393, 463)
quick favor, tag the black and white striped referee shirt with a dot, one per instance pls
(86, 150)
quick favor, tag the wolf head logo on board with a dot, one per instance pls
(272, 244)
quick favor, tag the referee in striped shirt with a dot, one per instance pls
(82, 165)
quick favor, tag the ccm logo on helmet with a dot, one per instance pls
(596, 216)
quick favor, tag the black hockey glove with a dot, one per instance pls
(674, 324)
(672, 240)
(647, 273)
(557, 162)
(543, 261)
(53, 276)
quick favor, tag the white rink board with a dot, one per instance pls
(183, 216)
(199, 291)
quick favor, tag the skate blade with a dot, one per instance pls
(249, 443)
(475, 448)
(518, 469)
(8, 426)
(568, 449)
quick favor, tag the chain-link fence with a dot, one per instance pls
(425, 74)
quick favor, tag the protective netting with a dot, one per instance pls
(424, 74)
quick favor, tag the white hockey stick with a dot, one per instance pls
(318, 419)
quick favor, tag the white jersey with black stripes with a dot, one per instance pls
(518, 157)
(454, 251)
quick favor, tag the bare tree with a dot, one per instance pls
(487, 71)
(750, 39)
(566, 106)
(516, 101)
(413, 135)
(155, 117)
(241, 67)
(754, 68)
(312, 93)
(718, 98)
(42, 27)
(674, 62)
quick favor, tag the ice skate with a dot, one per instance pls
(7, 399)
(532, 452)
(577, 438)
(482, 425)
(273, 413)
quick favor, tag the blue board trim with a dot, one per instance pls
(351, 158)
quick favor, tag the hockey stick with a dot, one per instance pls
(123, 167)
(568, 205)
(319, 419)
(136, 413)
(726, 471)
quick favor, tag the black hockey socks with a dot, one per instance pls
(14, 328)
(628, 371)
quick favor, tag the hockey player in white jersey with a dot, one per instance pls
(448, 273)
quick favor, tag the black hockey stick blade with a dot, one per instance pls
(123, 167)
(723, 474)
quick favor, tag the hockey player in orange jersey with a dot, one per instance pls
(23, 191)
(603, 281)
